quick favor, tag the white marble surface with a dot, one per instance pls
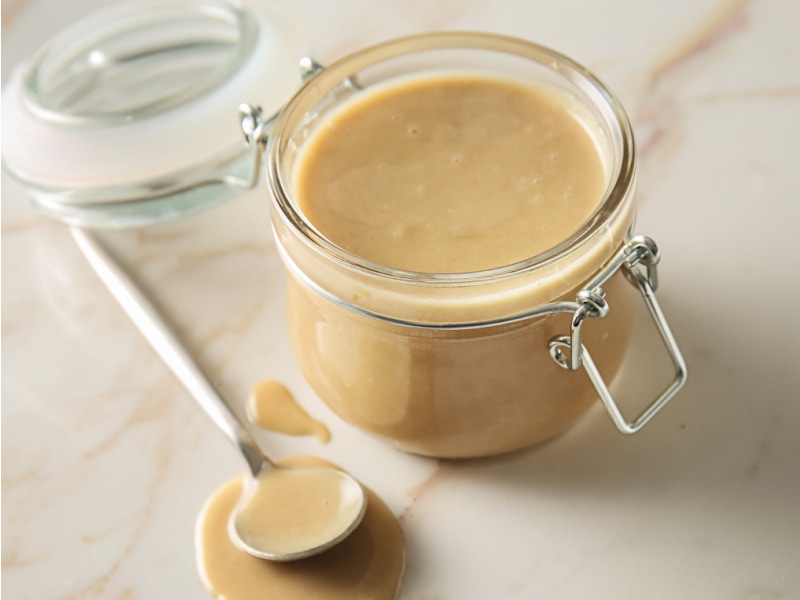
(106, 461)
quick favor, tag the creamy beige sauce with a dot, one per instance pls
(272, 406)
(453, 394)
(289, 511)
(450, 174)
(454, 174)
(367, 565)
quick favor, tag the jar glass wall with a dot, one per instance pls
(448, 364)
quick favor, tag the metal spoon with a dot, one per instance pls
(346, 492)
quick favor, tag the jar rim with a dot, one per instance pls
(619, 188)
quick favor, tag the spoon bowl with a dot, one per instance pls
(287, 514)
(284, 514)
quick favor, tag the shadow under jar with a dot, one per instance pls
(468, 363)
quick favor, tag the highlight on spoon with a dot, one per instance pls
(288, 514)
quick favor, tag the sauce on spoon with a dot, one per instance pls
(286, 512)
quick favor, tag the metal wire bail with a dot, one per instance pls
(570, 353)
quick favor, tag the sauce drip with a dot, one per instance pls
(272, 406)
(367, 565)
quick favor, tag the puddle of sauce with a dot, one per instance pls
(368, 564)
(272, 406)
(289, 511)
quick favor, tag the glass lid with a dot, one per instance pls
(130, 115)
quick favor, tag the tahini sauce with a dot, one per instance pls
(290, 511)
(272, 406)
(450, 173)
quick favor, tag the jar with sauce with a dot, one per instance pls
(398, 334)
(441, 335)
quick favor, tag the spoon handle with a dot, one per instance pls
(166, 344)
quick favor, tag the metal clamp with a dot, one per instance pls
(591, 303)
(256, 126)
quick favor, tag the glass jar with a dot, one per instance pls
(466, 364)
(450, 365)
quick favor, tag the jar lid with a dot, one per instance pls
(130, 115)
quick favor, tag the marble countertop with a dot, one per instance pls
(106, 460)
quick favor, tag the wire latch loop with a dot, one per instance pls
(591, 303)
